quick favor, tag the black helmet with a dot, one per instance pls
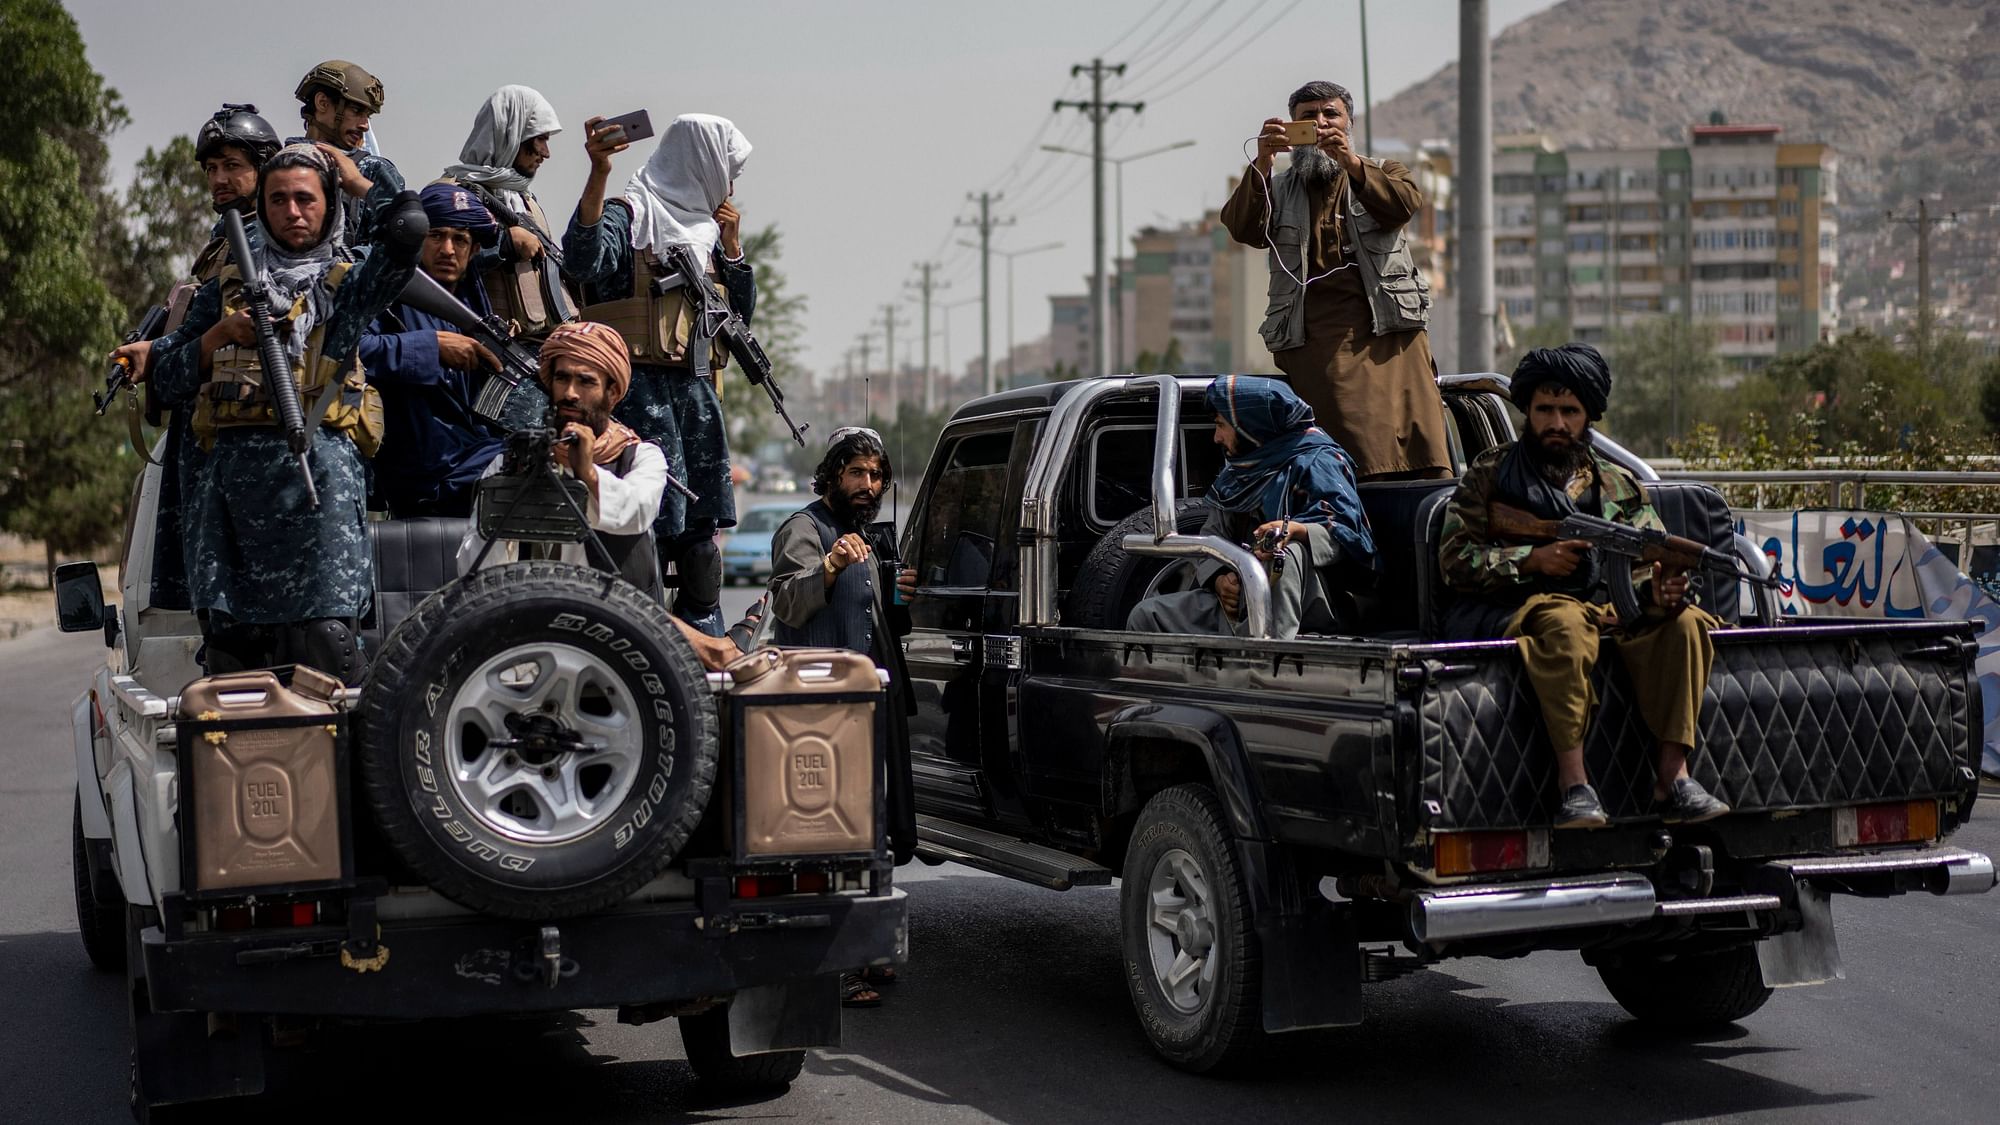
(237, 125)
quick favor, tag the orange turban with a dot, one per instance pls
(596, 345)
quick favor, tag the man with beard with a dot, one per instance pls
(1288, 490)
(825, 594)
(274, 579)
(434, 447)
(585, 371)
(1551, 599)
(508, 144)
(1348, 306)
(230, 147)
(613, 249)
(337, 101)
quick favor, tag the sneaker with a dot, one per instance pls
(1582, 809)
(1689, 803)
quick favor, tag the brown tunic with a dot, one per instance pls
(1377, 395)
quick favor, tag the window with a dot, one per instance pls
(1121, 468)
(1550, 184)
(1552, 216)
(1552, 249)
(1587, 213)
(962, 513)
(1505, 246)
(1637, 212)
(1673, 211)
(1756, 208)
(1635, 242)
(1788, 176)
(1554, 279)
(1513, 275)
(1520, 310)
(1673, 181)
(1586, 275)
(1788, 239)
(1789, 209)
(1586, 243)
(1514, 183)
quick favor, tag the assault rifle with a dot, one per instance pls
(714, 320)
(517, 365)
(1638, 544)
(278, 380)
(551, 255)
(119, 377)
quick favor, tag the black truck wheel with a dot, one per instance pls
(1191, 959)
(1112, 580)
(1687, 992)
(102, 927)
(706, 1037)
(537, 740)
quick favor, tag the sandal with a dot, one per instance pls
(855, 992)
(880, 974)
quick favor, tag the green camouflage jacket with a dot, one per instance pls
(1474, 562)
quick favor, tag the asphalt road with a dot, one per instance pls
(1013, 1010)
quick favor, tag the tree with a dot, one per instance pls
(166, 218)
(1665, 374)
(779, 322)
(63, 477)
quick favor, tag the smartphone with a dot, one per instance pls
(1301, 132)
(638, 125)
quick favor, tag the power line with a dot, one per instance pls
(1142, 22)
(1139, 52)
(1254, 37)
(1168, 51)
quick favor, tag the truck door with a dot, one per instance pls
(960, 545)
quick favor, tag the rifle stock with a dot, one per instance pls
(422, 292)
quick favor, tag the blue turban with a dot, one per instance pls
(449, 205)
(1286, 466)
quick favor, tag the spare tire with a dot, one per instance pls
(1112, 579)
(537, 740)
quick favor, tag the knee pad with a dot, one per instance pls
(699, 565)
(229, 645)
(326, 643)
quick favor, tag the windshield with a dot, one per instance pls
(763, 519)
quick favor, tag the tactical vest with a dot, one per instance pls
(207, 267)
(848, 621)
(519, 290)
(656, 327)
(234, 394)
(1399, 296)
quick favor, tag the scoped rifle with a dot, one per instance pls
(119, 377)
(714, 320)
(1639, 544)
(278, 380)
(551, 255)
(517, 365)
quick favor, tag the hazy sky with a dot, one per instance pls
(871, 121)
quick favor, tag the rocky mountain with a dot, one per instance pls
(1905, 90)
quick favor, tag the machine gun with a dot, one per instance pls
(119, 377)
(715, 321)
(1635, 543)
(517, 365)
(529, 501)
(551, 255)
(278, 380)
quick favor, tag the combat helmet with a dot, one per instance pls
(342, 79)
(237, 124)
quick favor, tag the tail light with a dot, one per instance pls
(1471, 853)
(1898, 823)
(763, 886)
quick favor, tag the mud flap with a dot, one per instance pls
(1312, 970)
(796, 1015)
(1808, 955)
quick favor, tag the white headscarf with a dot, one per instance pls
(508, 120)
(675, 195)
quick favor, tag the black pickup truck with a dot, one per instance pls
(1294, 818)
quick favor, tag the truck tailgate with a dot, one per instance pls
(1804, 716)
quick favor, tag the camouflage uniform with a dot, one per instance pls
(666, 405)
(256, 553)
(1666, 657)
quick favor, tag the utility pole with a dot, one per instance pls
(926, 287)
(1367, 99)
(985, 225)
(1475, 189)
(889, 357)
(864, 343)
(1098, 109)
(1923, 221)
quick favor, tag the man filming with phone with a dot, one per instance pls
(1348, 309)
(615, 250)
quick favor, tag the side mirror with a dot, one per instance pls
(80, 599)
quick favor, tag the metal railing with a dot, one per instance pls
(1847, 488)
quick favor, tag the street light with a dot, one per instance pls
(1010, 255)
(951, 376)
(1118, 305)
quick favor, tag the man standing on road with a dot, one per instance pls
(1551, 599)
(1348, 306)
(1288, 490)
(825, 593)
(337, 101)
(276, 580)
(613, 249)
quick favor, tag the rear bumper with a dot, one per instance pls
(1627, 898)
(461, 967)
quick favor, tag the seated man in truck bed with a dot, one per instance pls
(1287, 490)
(1551, 598)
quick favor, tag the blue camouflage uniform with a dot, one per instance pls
(666, 405)
(256, 553)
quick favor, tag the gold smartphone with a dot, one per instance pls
(1301, 132)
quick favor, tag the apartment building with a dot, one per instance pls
(1735, 228)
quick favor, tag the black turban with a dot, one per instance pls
(1577, 367)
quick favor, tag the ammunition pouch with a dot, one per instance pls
(656, 326)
